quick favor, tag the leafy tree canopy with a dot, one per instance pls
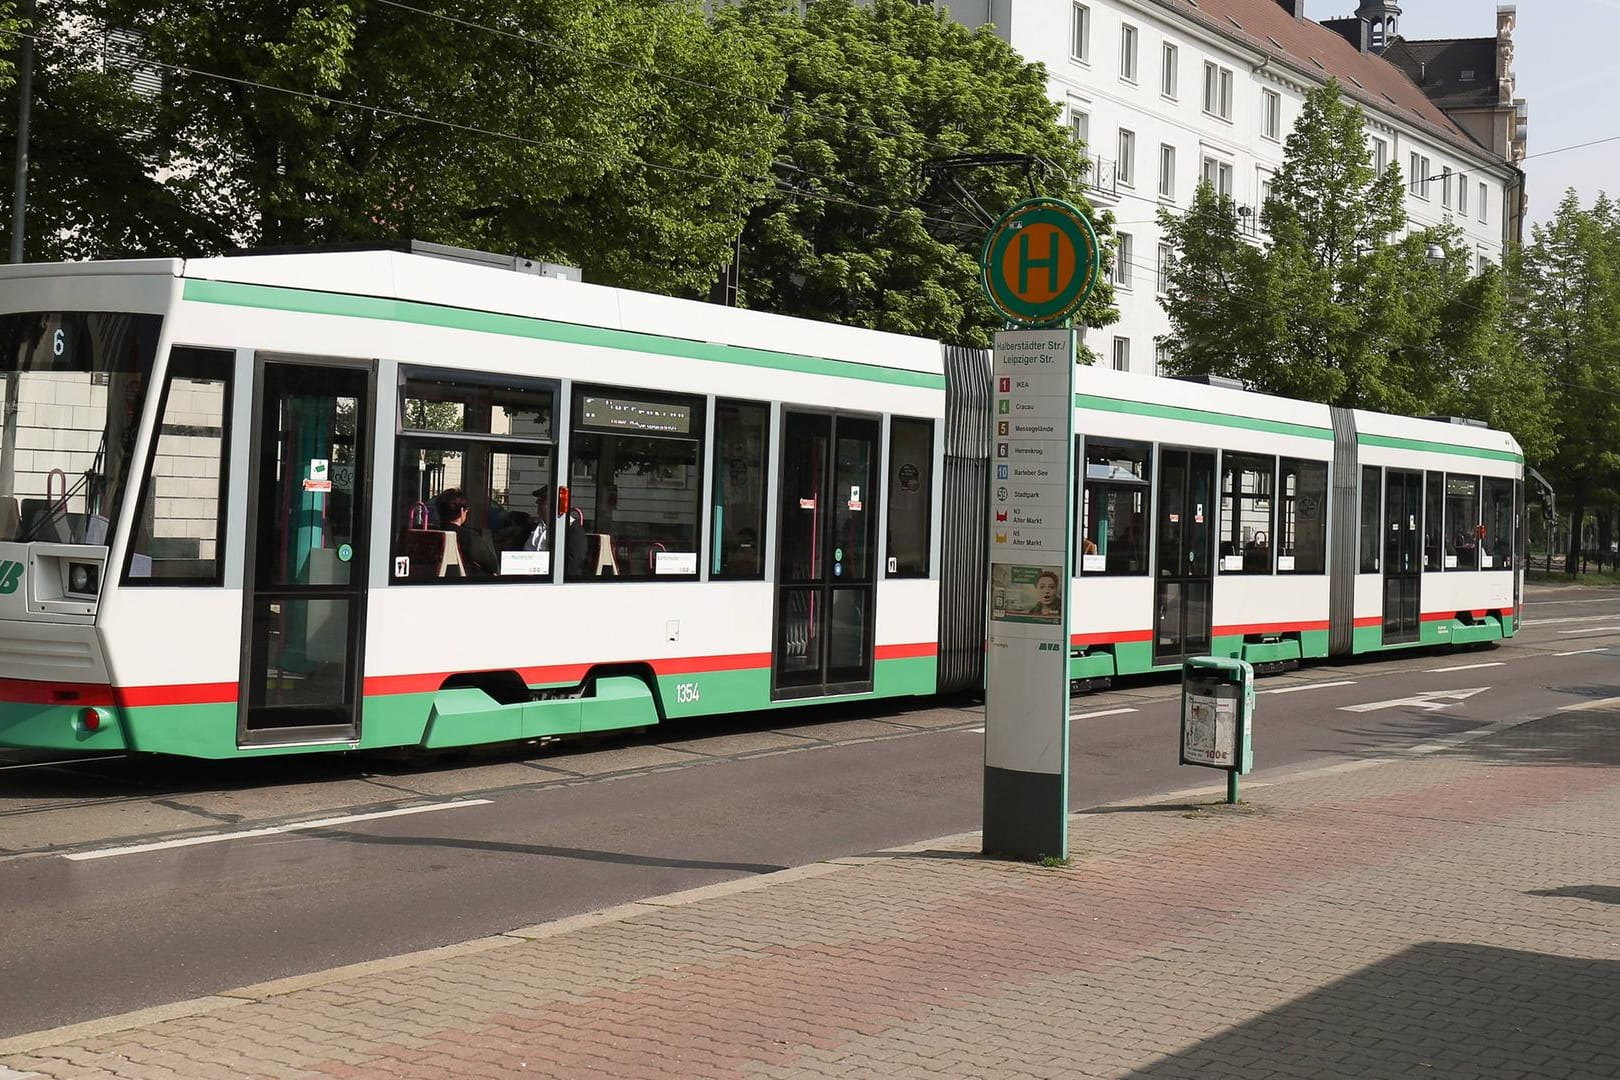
(1332, 307)
(627, 136)
(858, 231)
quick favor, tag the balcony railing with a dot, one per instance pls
(1103, 177)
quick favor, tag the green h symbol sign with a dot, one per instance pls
(1027, 263)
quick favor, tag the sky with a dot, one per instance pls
(1565, 68)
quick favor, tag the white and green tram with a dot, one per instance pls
(276, 503)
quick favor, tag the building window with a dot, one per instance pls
(1380, 156)
(741, 445)
(911, 490)
(1445, 187)
(1462, 193)
(1127, 52)
(489, 440)
(635, 464)
(1167, 171)
(1302, 519)
(1126, 171)
(1481, 262)
(1265, 189)
(1218, 175)
(1114, 507)
(1161, 358)
(1218, 90)
(180, 522)
(1166, 260)
(1080, 34)
(1271, 114)
(1418, 182)
(1079, 125)
(1484, 203)
(1122, 354)
(1246, 507)
(1122, 261)
(1170, 73)
(1462, 522)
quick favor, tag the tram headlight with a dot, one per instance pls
(84, 578)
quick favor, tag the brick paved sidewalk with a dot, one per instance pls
(1452, 915)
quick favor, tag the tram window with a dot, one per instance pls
(1371, 517)
(1302, 519)
(637, 489)
(1496, 546)
(1114, 508)
(1462, 522)
(911, 489)
(489, 441)
(1246, 513)
(741, 443)
(1434, 507)
(180, 522)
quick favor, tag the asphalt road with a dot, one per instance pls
(503, 839)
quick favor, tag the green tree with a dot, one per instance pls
(629, 136)
(1331, 307)
(93, 187)
(1567, 283)
(859, 231)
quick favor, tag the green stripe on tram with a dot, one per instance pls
(311, 302)
(1395, 443)
(1200, 416)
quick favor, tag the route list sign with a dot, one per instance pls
(1027, 666)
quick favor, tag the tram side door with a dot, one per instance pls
(309, 507)
(1403, 554)
(1185, 586)
(826, 559)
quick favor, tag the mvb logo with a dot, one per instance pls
(1049, 646)
(10, 576)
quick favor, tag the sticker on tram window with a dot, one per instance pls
(1285, 562)
(402, 566)
(525, 563)
(674, 562)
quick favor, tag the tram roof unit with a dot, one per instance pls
(1121, 391)
(429, 280)
(434, 282)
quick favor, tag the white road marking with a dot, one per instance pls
(1562, 619)
(1589, 600)
(1601, 703)
(1308, 686)
(1580, 652)
(1591, 630)
(297, 826)
(1462, 667)
(976, 730)
(1100, 712)
(1430, 700)
(52, 764)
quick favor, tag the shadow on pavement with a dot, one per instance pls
(1435, 1010)
(502, 847)
(1573, 738)
(1598, 894)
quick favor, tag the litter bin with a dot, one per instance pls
(1217, 713)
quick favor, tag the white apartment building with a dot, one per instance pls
(1165, 93)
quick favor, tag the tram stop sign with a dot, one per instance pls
(1040, 262)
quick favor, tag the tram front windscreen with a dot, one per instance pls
(72, 385)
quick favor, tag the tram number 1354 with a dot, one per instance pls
(687, 692)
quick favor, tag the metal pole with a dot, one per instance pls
(1231, 787)
(25, 94)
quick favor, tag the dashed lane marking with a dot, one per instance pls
(1462, 667)
(1308, 686)
(297, 826)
